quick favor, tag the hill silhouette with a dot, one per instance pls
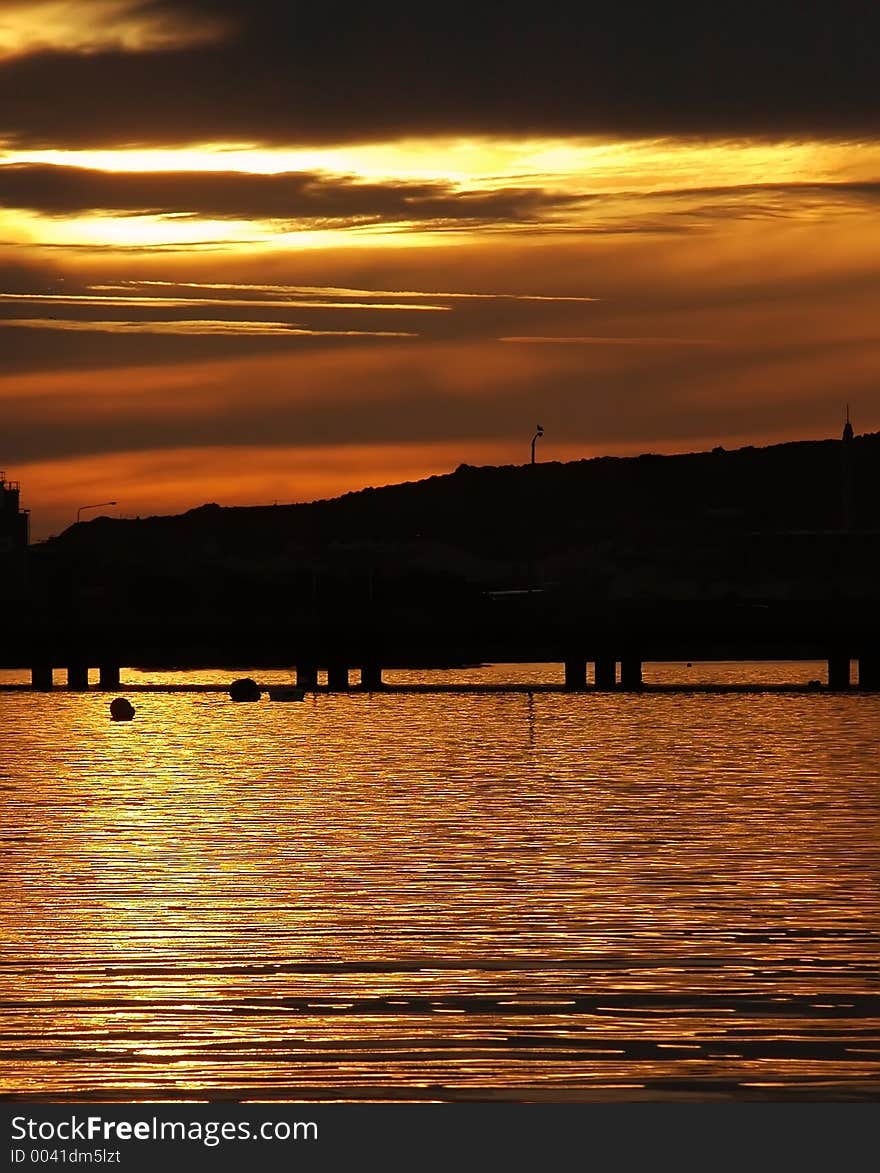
(437, 564)
(785, 524)
(786, 484)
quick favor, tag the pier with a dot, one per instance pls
(603, 675)
(601, 648)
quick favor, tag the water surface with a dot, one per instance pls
(443, 896)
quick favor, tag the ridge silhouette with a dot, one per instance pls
(665, 550)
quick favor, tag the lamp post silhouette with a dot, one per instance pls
(530, 569)
(83, 508)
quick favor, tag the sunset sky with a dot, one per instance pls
(277, 250)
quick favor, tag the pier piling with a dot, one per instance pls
(371, 676)
(606, 672)
(869, 671)
(78, 677)
(630, 672)
(42, 679)
(575, 675)
(337, 677)
(306, 676)
(838, 671)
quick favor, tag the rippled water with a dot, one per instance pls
(443, 895)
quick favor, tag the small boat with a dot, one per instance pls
(287, 692)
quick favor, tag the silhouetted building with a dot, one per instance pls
(14, 521)
(847, 473)
(14, 527)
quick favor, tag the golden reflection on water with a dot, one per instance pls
(441, 896)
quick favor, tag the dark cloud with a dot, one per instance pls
(331, 72)
(64, 191)
(29, 350)
(316, 200)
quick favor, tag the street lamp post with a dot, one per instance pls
(83, 508)
(530, 569)
(540, 432)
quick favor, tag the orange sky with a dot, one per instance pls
(212, 319)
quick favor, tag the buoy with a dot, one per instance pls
(121, 709)
(244, 689)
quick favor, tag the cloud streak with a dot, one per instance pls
(329, 290)
(612, 340)
(203, 326)
(151, 301)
